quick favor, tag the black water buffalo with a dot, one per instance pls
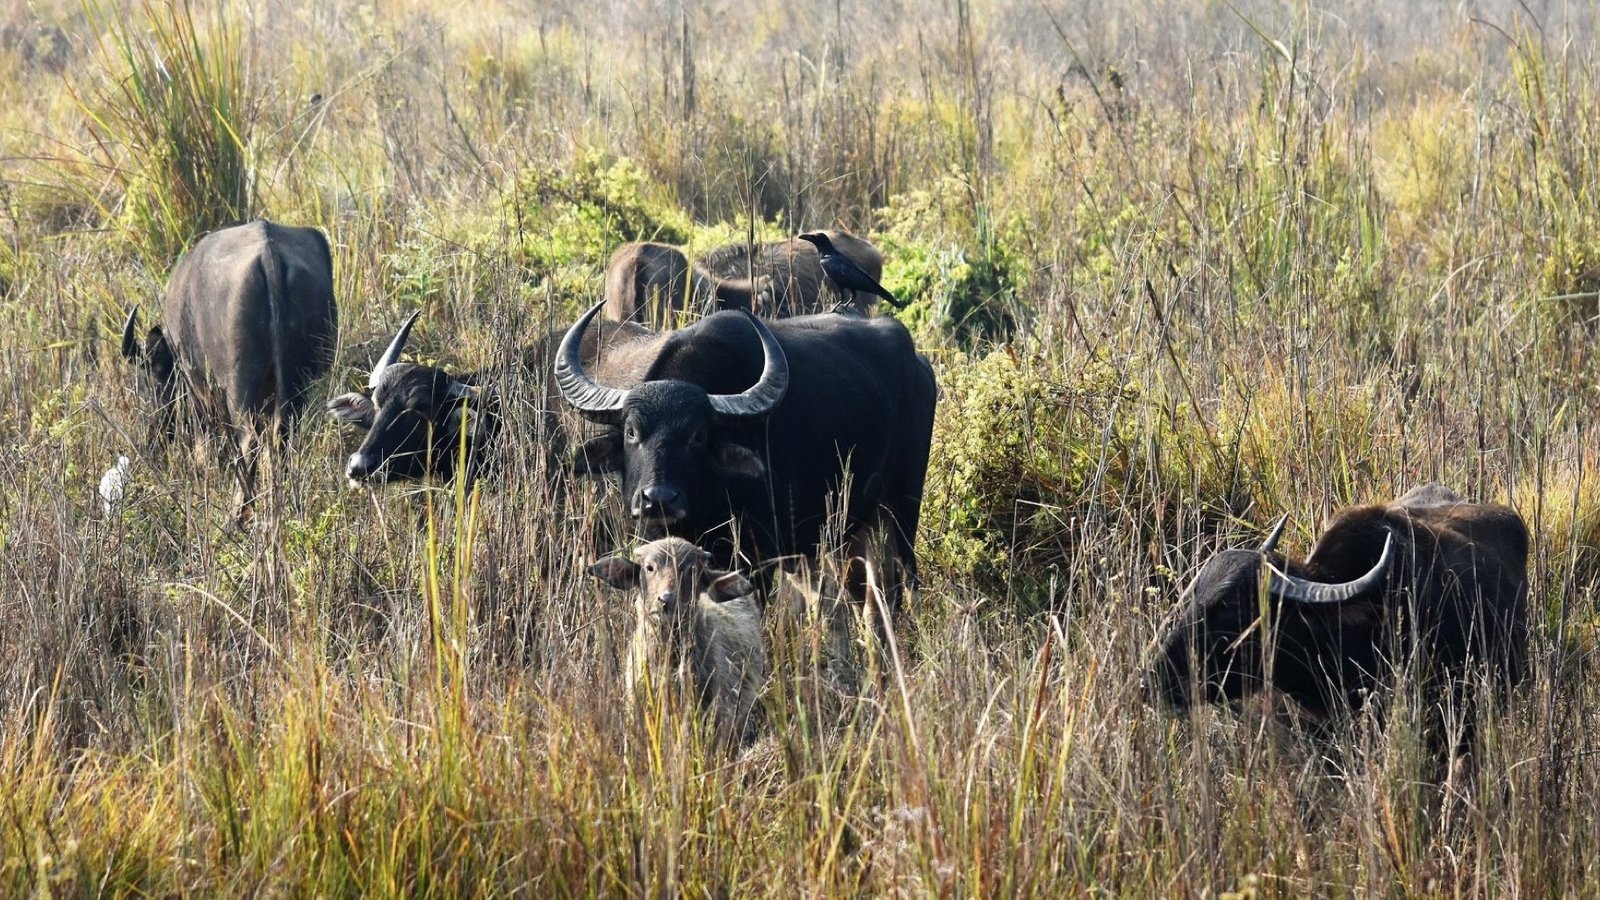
(793, 271)
(646, 282)
(1429, 580)
(735, 434)
(250, 324)
(413, 414)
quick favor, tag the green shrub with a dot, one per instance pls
(568, 220)
(942, 257)
(1017, 450)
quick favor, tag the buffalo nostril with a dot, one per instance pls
(667, 599)
(360, 466)
(660, 495)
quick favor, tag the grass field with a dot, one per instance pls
(1180, 266)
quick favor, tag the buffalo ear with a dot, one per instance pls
(463, 418)
(730, 586)
(599, 455)
(353, 408)
(158, 354)
(739, 460)
(616, 570)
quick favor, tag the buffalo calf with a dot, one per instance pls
(693, 620)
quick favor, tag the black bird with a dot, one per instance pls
(844, 273)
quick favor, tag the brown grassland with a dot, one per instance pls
(1180, 265)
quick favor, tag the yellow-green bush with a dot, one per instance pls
(567, 219)
(1018, 449)
(944, 259)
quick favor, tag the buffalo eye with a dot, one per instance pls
(650, 567)
(698, 439)
(631, 433)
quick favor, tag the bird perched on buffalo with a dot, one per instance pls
(844, 273)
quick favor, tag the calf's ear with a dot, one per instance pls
(599, 455)
(739, 461)
(730, 586)
(353, 408)
(616, 570)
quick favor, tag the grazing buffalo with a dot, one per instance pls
(794, 270)
(1429, 583)
(691, 616)
(250, 324)
(647, 282)
(736, 434)
(413, 415)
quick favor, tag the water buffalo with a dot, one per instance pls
(736, 434)
(1429, 580)
(794, 270)
(646, 282)
(413, 415)
(250, 325)
(689, 615)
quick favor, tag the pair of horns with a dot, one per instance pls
(1292, 587)
(391, 355)
(604, 404)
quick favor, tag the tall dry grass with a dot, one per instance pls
(1180, 266)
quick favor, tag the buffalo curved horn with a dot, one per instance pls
(760, 398)
(130, 341)
(594, 401)
(1271, 543)
(392, 354)
(1290, 587)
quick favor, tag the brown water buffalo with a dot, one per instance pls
(797, 285)
(1428, 583)
(647, 282)
(250, 324)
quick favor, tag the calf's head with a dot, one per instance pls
(1239, 608)
(674, 445)
(414, 417)
(670, 575)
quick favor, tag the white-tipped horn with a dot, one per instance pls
(1291, 587)
(592, 400)
(1271, 543)
(768, 391)
(392, 354)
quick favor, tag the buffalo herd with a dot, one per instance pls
(743, 412)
